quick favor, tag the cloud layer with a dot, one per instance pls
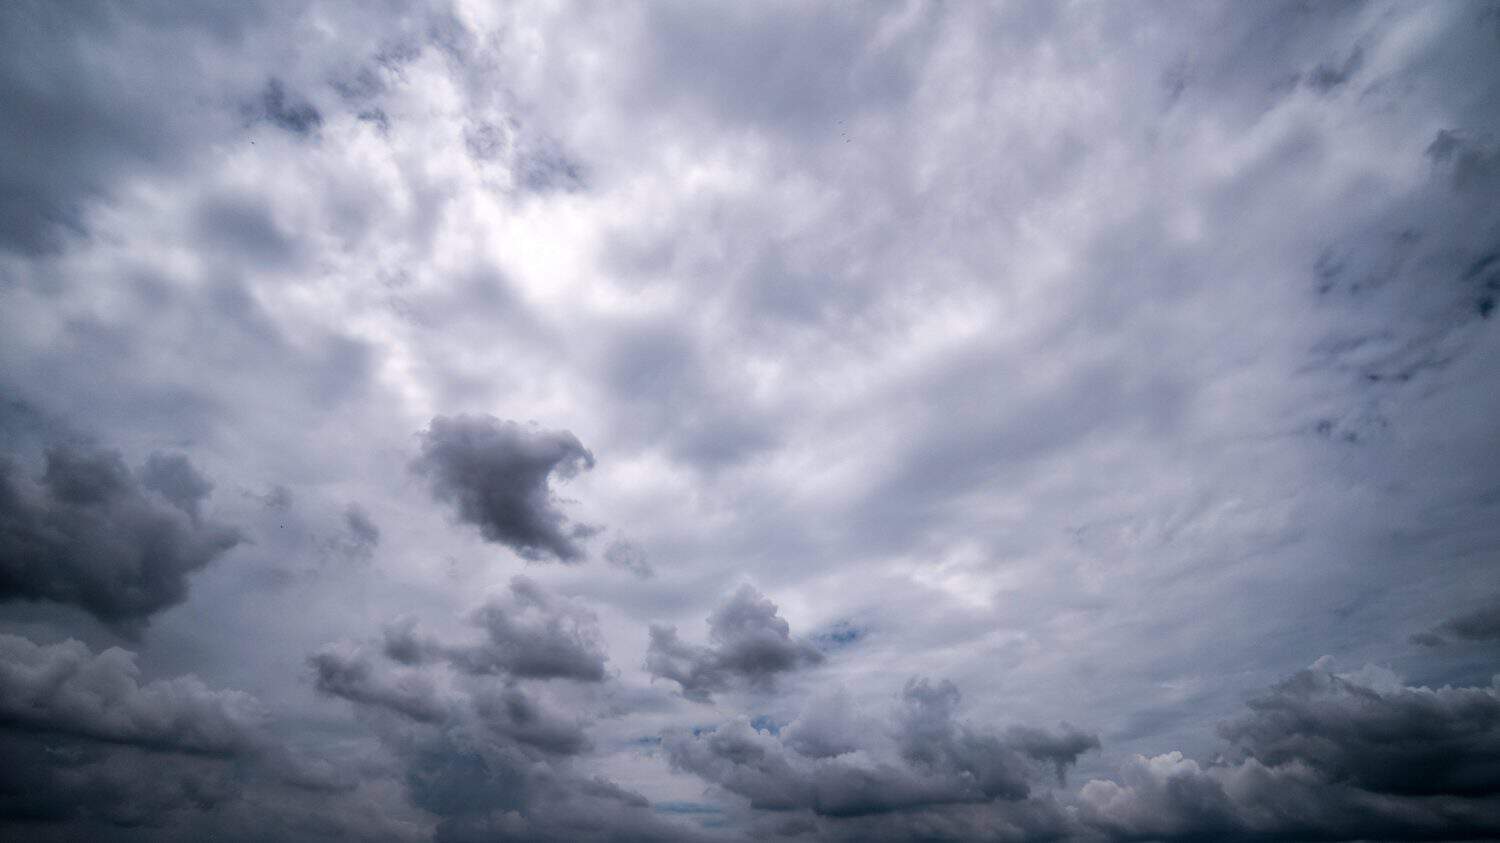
(460, 421)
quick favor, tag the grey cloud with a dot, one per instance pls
(1326, 77)
(521, 718)
(494, 762)
(88, 532)
(931, 763)
(534, 635)
(497, 474)
(64, 688)
(1481, 624)
(1324, 756)
(74, 126)
(623, 554)
(93, 752)
(1400, 740)
(362, 531)
(286, 110)
(348, 673)
(749, 642)
(528, 634)
(174, 478)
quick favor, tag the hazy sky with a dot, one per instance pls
(765, 421)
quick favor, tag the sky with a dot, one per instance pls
(681, 421)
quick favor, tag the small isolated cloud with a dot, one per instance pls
(749, 642)
(497, 475)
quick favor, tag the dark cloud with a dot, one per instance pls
(1324, 756)
(921, 763)
(89, 533)
(173, 477)
(1481, 624)
(749, 642)
(350, 674)
(76, 125)
(94, 752)
(497, 474)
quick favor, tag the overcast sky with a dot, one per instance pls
(472, 421)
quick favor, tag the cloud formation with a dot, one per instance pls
(1110, 363)
(914, 766)
(88, 532)
(1323, 756)
(529, 634)
(749, 642)
(491, 757)
(497, 475)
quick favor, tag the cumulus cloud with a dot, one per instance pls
(92, 748)
(493, 757)
(920, 762)
(497, 475)
(529, 634)
(66, 688)
(88, 532)
(749, 642)
(991, 362)
(1324, 756)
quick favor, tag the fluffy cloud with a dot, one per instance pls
(1324, 756)
(921, 761)
(497, 474)
(995, 341)
(749, 642)
(90, 747)
(482, 733)
(88, 532)
(529, 634)
(66, 688)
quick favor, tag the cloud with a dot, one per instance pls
(346, 673)
(1323, 756)
(1479, 624)
(497, 475)
(529, 634)
(66, 689)
(89, 533)
(749, 642)
(91, 749)
(1482, 624)
(922, 766)
(623, 554)
(485, 736)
